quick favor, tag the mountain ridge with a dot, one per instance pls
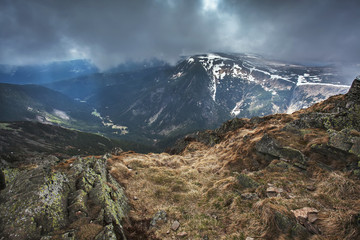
(156, 103)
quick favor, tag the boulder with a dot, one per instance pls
(45, 201)
(175, 225)
(269, 146)
(160, 216)
(246, 182)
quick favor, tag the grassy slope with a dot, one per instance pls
(202, 187)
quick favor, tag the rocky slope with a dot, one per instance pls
(76, 199)
(275, 177)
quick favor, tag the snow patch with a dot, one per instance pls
(190, 60)
(358, 77)
(61, 114)
(275, 77)
(155, 117)
(276, 109)
(316, 81)
(212, 56)
(236, 109)
(96, 114)
(212, 88)
(107, 122)
(258, 70)
(177, 75)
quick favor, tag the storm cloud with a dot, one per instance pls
(109, 32)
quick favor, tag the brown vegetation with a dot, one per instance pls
(235, 189)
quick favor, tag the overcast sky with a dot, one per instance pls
(109, 32)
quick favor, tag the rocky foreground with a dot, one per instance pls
(276, 177)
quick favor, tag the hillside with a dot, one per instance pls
(26, 142)
(202, 91)
(33, 102)
(275, 177)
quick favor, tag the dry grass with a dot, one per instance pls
(337, 186)
(340, 223)
(200, 189)
(64, 165)
(88, 231)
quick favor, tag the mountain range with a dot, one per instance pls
(155, 103)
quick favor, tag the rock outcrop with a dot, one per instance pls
(76, 199)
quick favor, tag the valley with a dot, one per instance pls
(153, 103)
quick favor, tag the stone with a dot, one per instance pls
(45, 200)
(274, 191)
(354, 91)
(249, 238)
(117, 151)
(303, 212)
(159, 216)
(182, 234)
(175, 225)
(311, 188)
(306, 216)
(246, 182)
(271, 148)
(249, 196)
(312, 217)
(107, 234)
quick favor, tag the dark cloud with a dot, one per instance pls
(111, 31)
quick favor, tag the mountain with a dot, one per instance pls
(201, 92)
(45, 73)
(281, 176)
(33, 102)
(155, 103)
(23, 142)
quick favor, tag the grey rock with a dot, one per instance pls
(175, 225)
(107, 234)
(249, 196)
(246, 182)
(182, 234)
(271, 147)
(159, 216)
(44, 201)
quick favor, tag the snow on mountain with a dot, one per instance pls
(202, 91)
(227, 71)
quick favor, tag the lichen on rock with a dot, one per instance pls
(45, 201)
